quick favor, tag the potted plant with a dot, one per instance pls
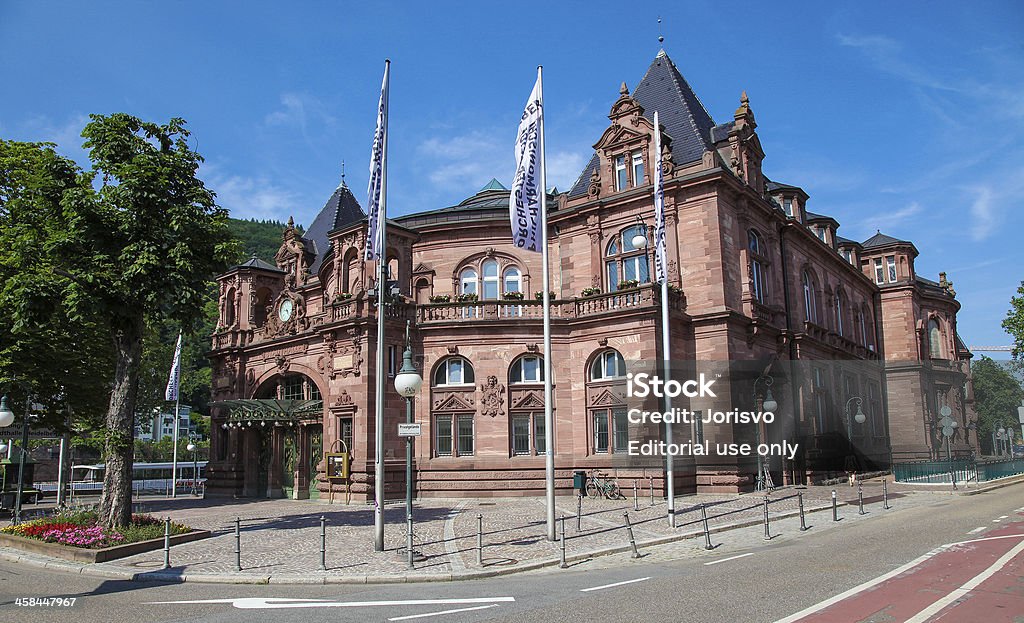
(591, 291)
(627, 284)
(440, 298)
(466, 298)
(540, 296)
(515, 296)
(342, 296)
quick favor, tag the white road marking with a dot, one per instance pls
(598, 588)
(970, 585)
(857, 589)
(1003, 516)
(996, 520)
(976, 530)
(274, 603)
(434, 614)
(715, 562)
(988, 538)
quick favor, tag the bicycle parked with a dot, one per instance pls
(599, 485)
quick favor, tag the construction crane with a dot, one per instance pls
(991, 349)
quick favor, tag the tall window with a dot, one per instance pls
(621, 178)
(810, 298)
(345, 425)
(820, 399)
(453, 371)
(879, 272)
(611, 430)
(625, 262)
(847, 255)
(862, 326)
(638, 168)
(297, 387)
(490, 285)
(528, 434)
(453, 435)
(608, 366)
(934, 339)
(467, 281)
(839, 312)
(757, 264)
(787, 205)
(890, 264)
(527, 369)
(512, 280)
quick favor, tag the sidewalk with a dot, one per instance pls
(280, 539)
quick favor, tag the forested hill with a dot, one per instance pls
(260, 237)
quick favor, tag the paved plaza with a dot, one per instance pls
(280, 539)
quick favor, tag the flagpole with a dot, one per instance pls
(549, 424)
(381, 375)
(666, 353)
(177, 405)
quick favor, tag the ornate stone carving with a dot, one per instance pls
(491, 400)
(606, 398)
(342, 399)
(453, 349)
(453, 401)
(530, 400)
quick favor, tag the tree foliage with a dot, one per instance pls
(997, 394)
(130, 245)
(1014, 322)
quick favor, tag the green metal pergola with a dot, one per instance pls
(269, 410)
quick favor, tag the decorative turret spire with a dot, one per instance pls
(623, 90)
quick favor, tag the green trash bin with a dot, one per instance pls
(579, 481)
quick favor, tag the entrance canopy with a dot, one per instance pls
(272, 410)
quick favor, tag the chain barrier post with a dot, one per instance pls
(835, 507)
(562, 565)
(803, 524)
(632, 541)
(860, 499)
(323, 543)
(767, 530)
(707, 531)
(167, 543)
(480, 539)
(238, 543)
(885, 494)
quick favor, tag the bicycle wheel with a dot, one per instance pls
(614, 493)
(593, 490)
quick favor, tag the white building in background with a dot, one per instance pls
(161, 424)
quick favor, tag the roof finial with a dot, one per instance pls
(291, 222)
(661, 39)
(342, 185)
(623, 90)
(743, 98)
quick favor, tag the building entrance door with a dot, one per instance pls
(315, 454)
(290, 449)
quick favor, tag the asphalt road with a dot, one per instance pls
(748, 581)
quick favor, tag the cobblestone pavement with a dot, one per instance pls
(280, 539)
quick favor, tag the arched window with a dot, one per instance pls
(490, 280)
(467, 281)
(810, 298)
(453, 371)
(839, 312)
(527, 369)
(625, 262)
(757, 266)
(512, 280)
(863, 328)
(290, 387)
(229, 308)
(934, 339)
(607, 366)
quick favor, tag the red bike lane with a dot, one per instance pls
(973, 581)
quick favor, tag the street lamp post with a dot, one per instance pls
(1000, 435)
(767, 404)
(6, 419)
(860, 418)
(408, 382)
(192, 447)
(948, 425)
(1009, 441)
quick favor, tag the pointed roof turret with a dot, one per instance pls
(340, 210)
(881, 240)
(494, 184)
(680, 112)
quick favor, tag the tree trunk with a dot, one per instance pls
(116, 501)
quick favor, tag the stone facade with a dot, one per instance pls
(754, 277)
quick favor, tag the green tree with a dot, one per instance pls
(134, 244)
(997, 394)
(1014, 322)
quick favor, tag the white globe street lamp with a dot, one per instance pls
(6, 415)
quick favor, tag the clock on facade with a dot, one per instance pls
(285, 311)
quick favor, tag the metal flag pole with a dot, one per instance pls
(549, 425)
(177, 406)
(381, 375)
(666, 353)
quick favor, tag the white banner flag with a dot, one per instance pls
(174, 380)
(378, 161)
(659, 207)
(524, 203)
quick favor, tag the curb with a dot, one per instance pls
(296, 579)
(1008, 481)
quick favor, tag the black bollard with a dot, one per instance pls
(579, 512)
(238, 543)
(636, 499)
(562, 564)
(167, 543)
(885, 494)
(480, 539)
(707, 532)
(803, 524)
(767, 530)
(835, 507)
(860, 499)
(632, 541)
(323, 543)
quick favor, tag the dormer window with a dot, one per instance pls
(847, 254)
(629, 170)
(879, 272)
(820, 233)
(787, 205)
(890, 263)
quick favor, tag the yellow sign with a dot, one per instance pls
(337, 466)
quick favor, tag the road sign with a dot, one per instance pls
(410, 430)
(14, 432)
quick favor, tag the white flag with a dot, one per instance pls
(659, 207)
(524, 203)
(378, 162)
(174, 380)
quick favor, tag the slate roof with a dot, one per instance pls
(880, 240)
(846, 241)
(780, 186)
(812, 216)
(340, 210)
(664, 89)
(255, 262)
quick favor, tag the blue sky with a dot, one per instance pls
(905, 116)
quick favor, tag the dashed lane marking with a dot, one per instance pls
(277, 603)
(976, 530)
(715, 562)
(599, 588)
(434, 614)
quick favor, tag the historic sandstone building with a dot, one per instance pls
(755, 277)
